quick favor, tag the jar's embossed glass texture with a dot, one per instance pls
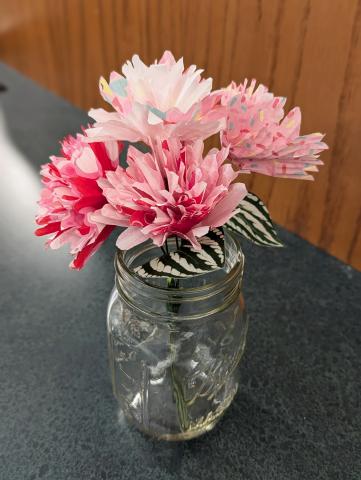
(174, 352)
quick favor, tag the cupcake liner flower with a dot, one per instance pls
(168, 187)
(171, 191)
(160, 100)
(71, 193)
(262, 140)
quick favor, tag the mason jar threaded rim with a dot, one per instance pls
(127, 281)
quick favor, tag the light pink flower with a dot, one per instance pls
(160, 100)
(171, 191)
(71, 193)
(262, 140)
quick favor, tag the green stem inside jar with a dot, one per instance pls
(181, 404)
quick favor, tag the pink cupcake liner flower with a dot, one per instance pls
(71, 193)
(171, 191)
(160, 100)
(262, 140)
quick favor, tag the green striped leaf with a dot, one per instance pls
(186, 261)
(252, 220)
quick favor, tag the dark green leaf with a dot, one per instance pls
(252, 220)
(186, 261)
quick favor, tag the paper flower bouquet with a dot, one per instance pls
(178, 262)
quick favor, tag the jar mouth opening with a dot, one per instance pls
(123, 268)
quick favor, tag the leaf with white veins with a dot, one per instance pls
(187, 261)
(252, 220)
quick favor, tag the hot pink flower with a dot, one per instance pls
(261, 140)
(160, 100)
(172, 191)
(71, 193)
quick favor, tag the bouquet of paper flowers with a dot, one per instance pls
(166, 185)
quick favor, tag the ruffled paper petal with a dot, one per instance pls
(71, 194)
(83, 256)
(171, 191)
(157, 101)
(262, 140)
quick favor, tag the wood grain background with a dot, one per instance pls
(307, 50)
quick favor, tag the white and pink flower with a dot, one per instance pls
(172, 191)
(71, 193)
(157, 101)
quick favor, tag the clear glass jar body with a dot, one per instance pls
(174, 352)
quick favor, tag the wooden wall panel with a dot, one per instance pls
(307, 50)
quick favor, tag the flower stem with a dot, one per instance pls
(181, 404)
(177, 388)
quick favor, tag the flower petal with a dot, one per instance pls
(131, 237)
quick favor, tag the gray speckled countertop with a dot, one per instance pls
(297, 414)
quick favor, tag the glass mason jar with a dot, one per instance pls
(175, 350)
